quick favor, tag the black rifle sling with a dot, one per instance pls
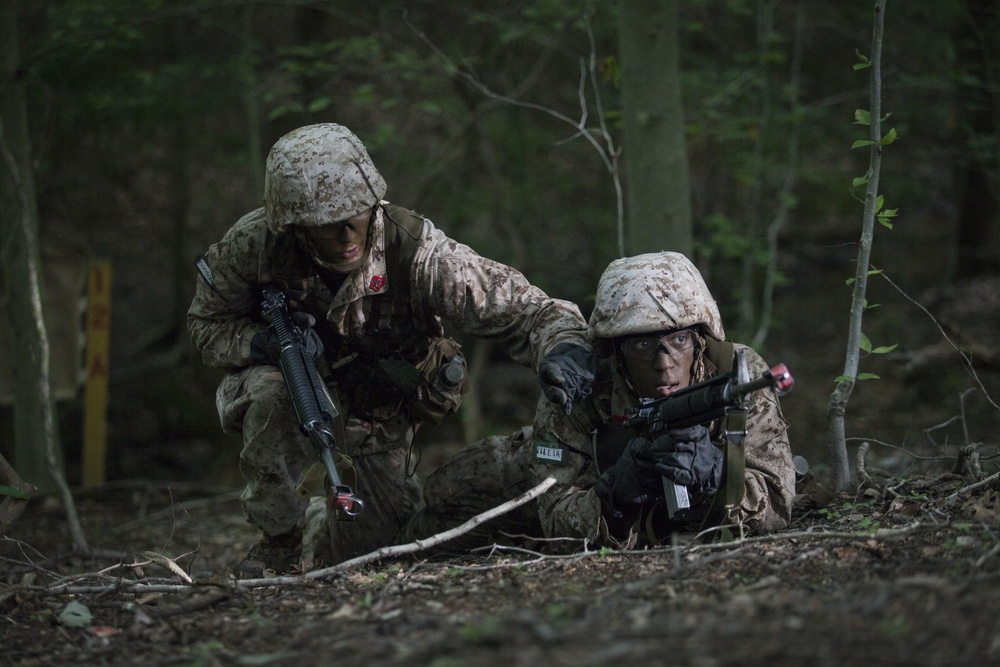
(609, 438)
(726, 504)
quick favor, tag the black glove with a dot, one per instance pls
(632, 480)
(687, 457)
(567, 374)
(265, 349)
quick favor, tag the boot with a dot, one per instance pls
(272, 556)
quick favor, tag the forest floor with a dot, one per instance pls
(901, 571)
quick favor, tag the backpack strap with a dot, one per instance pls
(390, 313)
(402, 237)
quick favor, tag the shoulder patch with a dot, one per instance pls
(204, 270)
(549, 451)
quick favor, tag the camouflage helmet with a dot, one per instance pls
(319, 174)
(651, 293)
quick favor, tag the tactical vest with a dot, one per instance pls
(397, 364)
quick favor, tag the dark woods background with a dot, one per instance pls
(149, 123)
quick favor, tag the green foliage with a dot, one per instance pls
(484, 631)
(447, 661)
(866, 346)
(559, 613)
(864, 63)
(857, 513)
(112, 79)
(203, 654)
(13, 492)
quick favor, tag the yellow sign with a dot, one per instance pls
(95, 393)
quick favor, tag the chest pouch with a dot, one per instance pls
(444, 378)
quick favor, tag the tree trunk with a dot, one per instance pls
(978, 45)
(21, 267)
(655, 157)
(837, 406)
(36, 437)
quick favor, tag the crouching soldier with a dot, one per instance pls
(375, 281)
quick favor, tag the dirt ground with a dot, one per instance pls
(897, 572)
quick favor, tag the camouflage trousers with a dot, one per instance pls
(253, 401)
(479, 477)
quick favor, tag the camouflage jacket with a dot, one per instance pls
(572, 509)
(443, 280)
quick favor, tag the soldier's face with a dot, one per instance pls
(659, 365)
(342, 243)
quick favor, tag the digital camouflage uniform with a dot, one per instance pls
(638, 295)
(385, 315)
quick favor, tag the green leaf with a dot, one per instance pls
(318, 104)
(862, 117)
(865, 344)
(889, 137)
(860, 143)
(885, 216)
(860, 180)
(13, 492)
(862, 66)
(884, 349)
(864, 60)
(75, 615)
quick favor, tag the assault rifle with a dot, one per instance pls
(313, 406)
(705, 402)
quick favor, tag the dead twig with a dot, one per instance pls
(888, 534)
(122, 586)
(420, 545)
(972, 487)
(859, 462)
(168, 563)
(912, 455)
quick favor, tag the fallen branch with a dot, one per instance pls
(420, 545)
(972, 487)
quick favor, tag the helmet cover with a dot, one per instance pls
(652, 293)
(317, 175)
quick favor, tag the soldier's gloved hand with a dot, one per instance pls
(687, 457)
(265, 348)
(633, 479)
(567, 374)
